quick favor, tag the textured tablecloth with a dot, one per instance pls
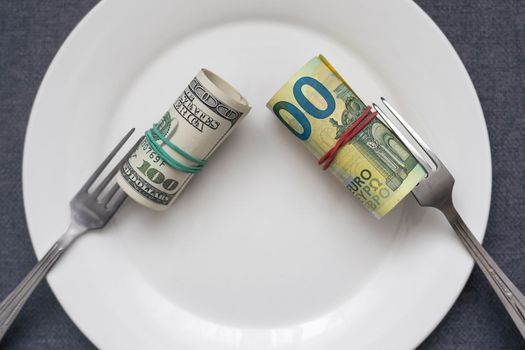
(489, 36)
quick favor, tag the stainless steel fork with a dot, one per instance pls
(90, 209)
(435, 190)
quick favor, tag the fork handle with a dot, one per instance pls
(510, 296)
(11, 306)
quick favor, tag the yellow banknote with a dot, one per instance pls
(318, 106)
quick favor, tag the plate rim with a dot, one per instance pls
(486, 215)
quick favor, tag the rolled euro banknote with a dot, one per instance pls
(318, 107)
(178, 146)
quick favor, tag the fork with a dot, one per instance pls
(435, 190)
(90, 210)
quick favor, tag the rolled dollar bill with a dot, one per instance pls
(179, 145)
(318, 106)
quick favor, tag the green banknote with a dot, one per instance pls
(201, 118)
(318, 106)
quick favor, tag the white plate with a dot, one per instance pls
(263, 250)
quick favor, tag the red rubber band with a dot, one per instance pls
(364, 119)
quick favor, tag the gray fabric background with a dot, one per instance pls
(489, 35)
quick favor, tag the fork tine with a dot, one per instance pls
(106, 180)
(120, 196)
(106, 161)
(103, 184)
(411, 132)
(410, 145)
(107, 197)
(407, 126)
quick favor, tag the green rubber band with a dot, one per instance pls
(168, 159)
(176, 148)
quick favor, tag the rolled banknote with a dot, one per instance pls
(179, 145)
(318, 106)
